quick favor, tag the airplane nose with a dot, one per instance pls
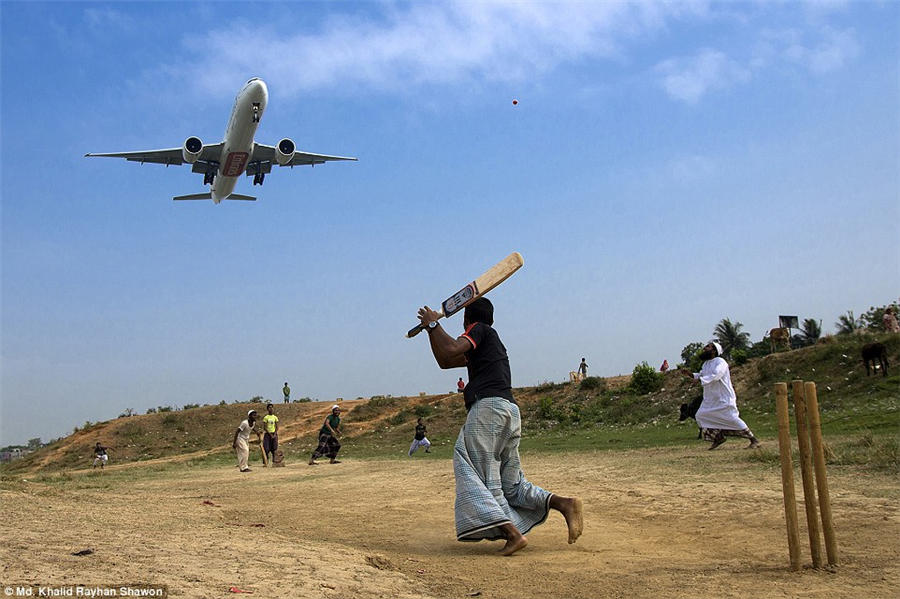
(260, 90)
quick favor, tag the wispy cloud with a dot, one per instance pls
(689, 79)
(428, 44)
(818, 49)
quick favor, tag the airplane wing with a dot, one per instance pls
(264, 153)
(210, 153)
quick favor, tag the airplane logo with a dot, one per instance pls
(223, 163)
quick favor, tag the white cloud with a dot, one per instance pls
(424, 44)
(819, 50)
(689, 79)
(834, 50)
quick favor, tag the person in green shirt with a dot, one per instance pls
(270, 438)
(328, 437)
(287, 393)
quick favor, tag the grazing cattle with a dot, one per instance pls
(690, 411)
(872, 352)
(779, 336)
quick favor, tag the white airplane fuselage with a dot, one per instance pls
(249, 106)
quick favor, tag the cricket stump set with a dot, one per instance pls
(812, 458)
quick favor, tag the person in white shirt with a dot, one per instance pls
(241, 443)
(718, 415)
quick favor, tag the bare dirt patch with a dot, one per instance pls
(658, 523)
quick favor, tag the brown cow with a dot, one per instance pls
(779, 336)
(872, 352)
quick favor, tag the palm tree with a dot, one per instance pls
(811, 331)
(729, 335)
(847, 323)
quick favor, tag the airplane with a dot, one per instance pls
(221, 164)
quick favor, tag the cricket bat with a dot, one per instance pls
(465, 296)
(262, 449)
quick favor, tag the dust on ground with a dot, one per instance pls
(675, 522)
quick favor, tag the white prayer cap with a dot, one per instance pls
(717, 346)
(335, 407)
(251, 412)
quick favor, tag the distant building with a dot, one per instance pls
(13, 453)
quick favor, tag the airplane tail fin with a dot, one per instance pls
(208, 196)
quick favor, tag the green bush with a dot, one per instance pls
(546, 411)
(593, 383)
(739, 356)
(645, 379)
(423, 410)
(400, 417)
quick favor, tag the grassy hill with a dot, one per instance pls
(860, 416)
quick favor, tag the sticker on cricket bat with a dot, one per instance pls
(477, 288)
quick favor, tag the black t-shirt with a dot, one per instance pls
(420, 432)
(488, 366)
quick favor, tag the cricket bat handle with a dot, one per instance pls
(419, 328)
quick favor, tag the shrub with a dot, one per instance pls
(546, 410)
(151, 410)
(593, 383)
(223, 402)
(545, 386)
(400, 417)
(162, 409)
(645, 379)
(739, 356)
(423, 410)
(190, 406)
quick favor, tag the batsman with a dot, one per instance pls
(494, 500)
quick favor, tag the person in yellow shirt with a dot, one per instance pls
(270, 438)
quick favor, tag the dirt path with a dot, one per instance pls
(659, 523)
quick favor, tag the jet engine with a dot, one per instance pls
(284, 151)
(191, 149)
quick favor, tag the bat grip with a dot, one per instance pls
(415, 331)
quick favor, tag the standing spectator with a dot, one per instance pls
(241, 442)
(270, 437)
(718, 415)
(460, 385)
(329, 445)
(100, 456)
(287, 393)
(665, 366)
(582, 370)
(890, 321)
(420, 440)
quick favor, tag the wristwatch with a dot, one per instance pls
(432, 325)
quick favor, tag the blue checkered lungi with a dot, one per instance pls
(491, 489)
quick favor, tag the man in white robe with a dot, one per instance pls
(718, 415)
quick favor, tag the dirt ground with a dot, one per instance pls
(659, 523)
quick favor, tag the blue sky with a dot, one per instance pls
(667, 166)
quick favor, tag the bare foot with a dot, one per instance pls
(754, 444)
(572, 509)
(575, 519)
(514, 544)
(313, 463)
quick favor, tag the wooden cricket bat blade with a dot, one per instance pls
(477, 288)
